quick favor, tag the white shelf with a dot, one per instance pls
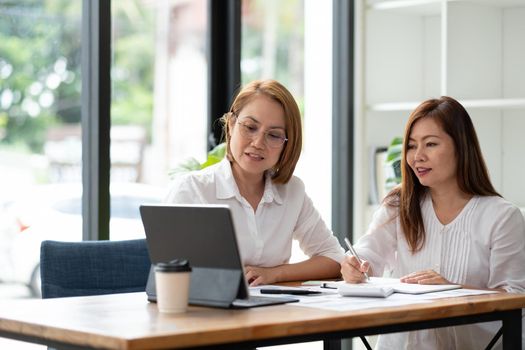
(431, 6)
(503, 103)
(394, 106)
(500, 3)
(417, 7)
(472, 50)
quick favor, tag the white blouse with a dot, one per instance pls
(484, 246)
(265, 236)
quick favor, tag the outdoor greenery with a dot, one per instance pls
(273, 43)
(39, 69)
(40, 62)
(40, 73)
(133, 69)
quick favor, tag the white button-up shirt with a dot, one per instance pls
(484, 246)
(265, 236)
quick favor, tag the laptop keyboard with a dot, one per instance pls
(255, 300)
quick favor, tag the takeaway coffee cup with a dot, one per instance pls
(172, 282)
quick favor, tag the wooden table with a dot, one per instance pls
(128, 321)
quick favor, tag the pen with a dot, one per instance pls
(289, 291)
(354, 253)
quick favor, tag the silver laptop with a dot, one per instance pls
(205, 236)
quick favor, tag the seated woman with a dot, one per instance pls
(270, 208)
(444, 224)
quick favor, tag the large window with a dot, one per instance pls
(40, 147)
(158, 118)
(159, 94)
(158, 107)
(291, 42)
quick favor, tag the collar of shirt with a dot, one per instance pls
(226, 187)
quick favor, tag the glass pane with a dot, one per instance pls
(40, 142)
(291, 42)
(159, 102)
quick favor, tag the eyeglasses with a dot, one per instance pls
(273, 138)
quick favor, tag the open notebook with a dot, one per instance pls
(383, 287)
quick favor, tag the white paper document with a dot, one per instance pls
(383, 287)
(336, 302)
(330, 299)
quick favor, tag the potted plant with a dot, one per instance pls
(393, 160)
(214, 156)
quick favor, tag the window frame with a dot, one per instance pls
(95, 118)
(223, 44)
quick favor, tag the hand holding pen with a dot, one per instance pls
(349, 269)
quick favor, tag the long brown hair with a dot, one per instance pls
(472, 174)
(284, 168)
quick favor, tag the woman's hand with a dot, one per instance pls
(424, 277)
(352, 271)
(261, 275)
(317, 267)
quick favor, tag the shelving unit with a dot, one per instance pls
(412, 50)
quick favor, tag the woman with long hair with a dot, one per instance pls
(445, 223)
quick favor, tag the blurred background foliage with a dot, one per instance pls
(273, 43)
(40, 62)
(39, 70)
(40, 74)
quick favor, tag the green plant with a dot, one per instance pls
(191, 164)
(393, 159)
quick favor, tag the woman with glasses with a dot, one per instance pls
(270, 208)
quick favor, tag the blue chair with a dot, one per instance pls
(93, 267)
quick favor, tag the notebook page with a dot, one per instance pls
(380, 286)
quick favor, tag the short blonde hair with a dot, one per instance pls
(291, 151)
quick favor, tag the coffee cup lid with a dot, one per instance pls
(175, 265)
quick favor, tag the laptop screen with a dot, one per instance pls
(205, 236)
